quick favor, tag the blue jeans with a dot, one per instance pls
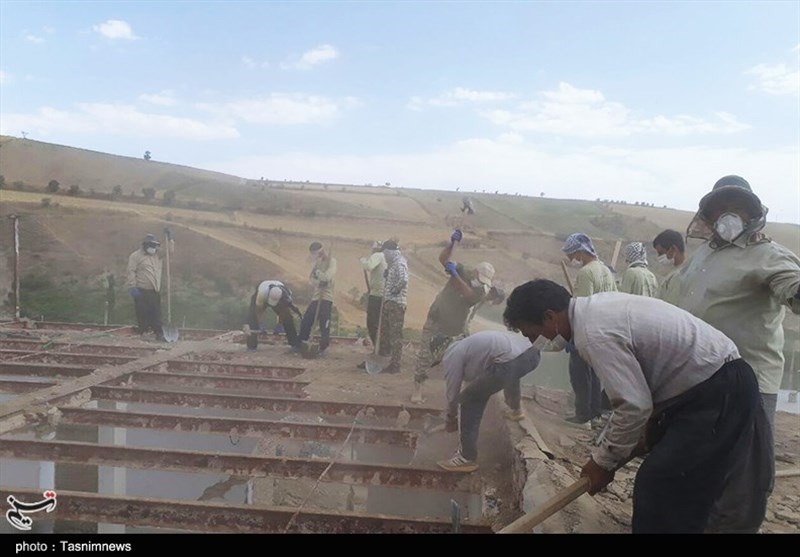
(586, 386)
(324, 323)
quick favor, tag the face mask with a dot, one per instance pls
(150, 251)
(574, 263)
(729, 226)
(544, 344)
(665, 260)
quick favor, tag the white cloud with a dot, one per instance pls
(776, 79)
(49, 30)
(115, 29)
(796, 48)
(115, 119)
(461, 96)
(283, 109)
(664, 176)
(5, 78)
(164, 98)
(308, 60)
(34, 39)
(571, 111)
(249, 63)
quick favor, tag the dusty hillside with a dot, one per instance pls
(235, 232)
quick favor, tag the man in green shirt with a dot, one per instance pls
(594, 277)
(637, 278)
(374, 268)
(739, 281)
(449, 311)
(671, 251)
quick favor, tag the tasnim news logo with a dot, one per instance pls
(17, 514)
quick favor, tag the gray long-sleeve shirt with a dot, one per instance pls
(469, 358)
(645, 352)
(742, 291)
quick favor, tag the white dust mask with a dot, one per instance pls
(150, 251)
(729, 226)
(665, 260)
(574, 263)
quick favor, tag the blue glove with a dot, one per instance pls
(450, 269)
(456, 236)
(135, 292)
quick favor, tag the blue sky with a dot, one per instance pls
(642, 101)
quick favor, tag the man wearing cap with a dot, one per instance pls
(671, 250)
(374, 268)
(487, 362)
(449, 312)
(322, 277)
(144, 284)
(395, 300)
(740, 281)
(275, 295)
(637, 278)
(594, 276)
(495, 297)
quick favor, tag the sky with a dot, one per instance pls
(641, 101)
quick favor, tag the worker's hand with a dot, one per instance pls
(315, 274)
(599, 477)
(451, 424)
(456, 236)
(134, 292)
(450, 269)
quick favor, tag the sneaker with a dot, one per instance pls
(579, 422)
(458, 464)
(514, 415)
(416, 396)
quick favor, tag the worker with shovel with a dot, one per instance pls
(395, 300)
(449, 312)
(681, 395)
(487, 362)
(374, 268)
(275, 295)
(319, 310)
(144, 285)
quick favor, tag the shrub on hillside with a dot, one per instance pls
(52, 186)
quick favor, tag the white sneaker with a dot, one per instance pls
(514, 415)
(458, 464)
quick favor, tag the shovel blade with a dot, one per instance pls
(170, 333)
(376, 363)
(309, 350)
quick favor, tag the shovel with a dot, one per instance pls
(170, 331)
(309, 349)
(376, 362)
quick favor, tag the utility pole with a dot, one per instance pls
(15, 220)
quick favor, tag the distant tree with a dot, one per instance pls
(52, 186)
(74, 189)
(147, 156)
(541, 194)
(117, 190)
(2, 182)
(169, 197)
(149, 193)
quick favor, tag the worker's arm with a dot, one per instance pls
(374, 260)
(130, 280)
(781, 271)
(328, 274)
(465, 290)
(453, 363)
(584, 284)
(444, 256)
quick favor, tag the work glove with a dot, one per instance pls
(456, 236)
(134, 292)
(450, 269)
(599, 477)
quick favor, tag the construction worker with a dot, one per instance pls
(740, 281)
(495, 297)
(275, 295)
(322, 277)
(449, 311)
(681, 394)
(395, 300)
(594, 276)
(144, 284)
(487, 362)
(374, 268)
(466, 205)
(671, 250)
(637, 278)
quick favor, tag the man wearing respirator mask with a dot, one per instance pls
(739, 281)
(144, 285)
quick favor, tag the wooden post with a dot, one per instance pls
(15, 220)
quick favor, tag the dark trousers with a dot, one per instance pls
(586, 386)
(697, 442)
(285, 318)
(324, 323)
(475, 396)
(148, 312)
(373, 314)
(392, 331)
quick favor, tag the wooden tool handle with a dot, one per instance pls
(566, 277)
(528, 522)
